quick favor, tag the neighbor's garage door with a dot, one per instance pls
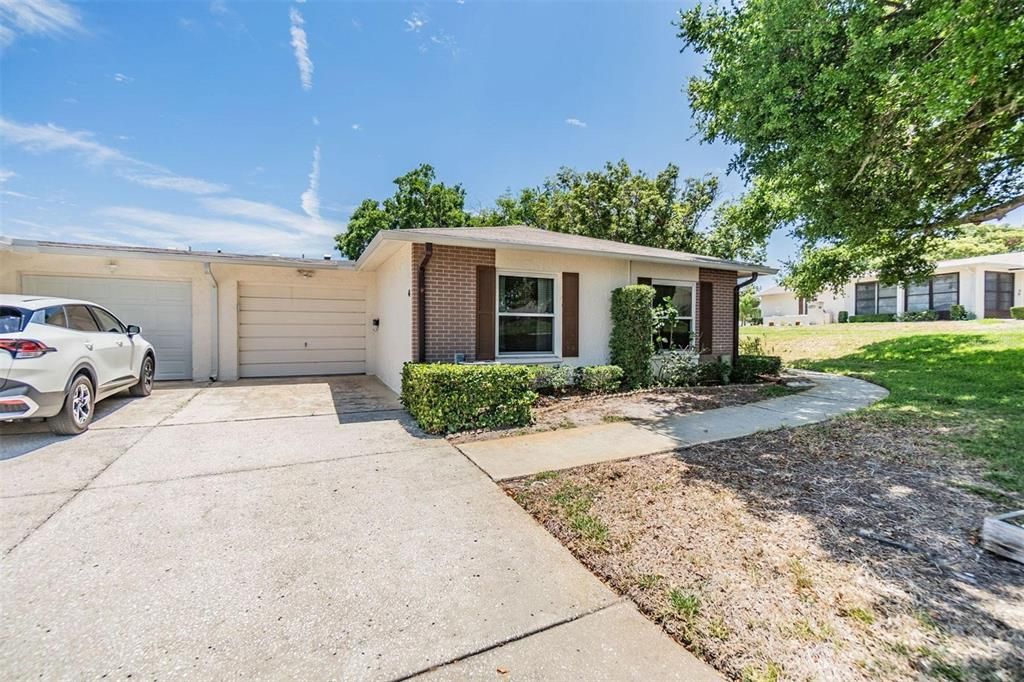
(295, 331)
(162, 309)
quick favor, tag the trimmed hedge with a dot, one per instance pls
(548, 379)
(599, 378)
(878, 317)
(444, 398)
(749, 368)
(632, 338)
(919, 316)
(1017, 312)
(844, 317)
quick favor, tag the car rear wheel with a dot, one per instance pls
(77, 412)
(145, 385)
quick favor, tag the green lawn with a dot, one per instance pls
(967, 376)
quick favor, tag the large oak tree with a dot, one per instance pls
(873, 129)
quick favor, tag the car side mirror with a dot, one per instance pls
(133, 329)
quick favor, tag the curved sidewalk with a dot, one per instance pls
(515, 456)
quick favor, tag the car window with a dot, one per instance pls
(108, 323)
(10, 319)
(53, 316)
(80, 319)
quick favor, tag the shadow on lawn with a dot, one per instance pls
(845, 478)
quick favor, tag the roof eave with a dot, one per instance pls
(421, 238)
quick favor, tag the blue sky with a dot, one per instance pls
(257, 127)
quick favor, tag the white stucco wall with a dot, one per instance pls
(598, 277)
(777, 305)
(15, 264)
(393, 307)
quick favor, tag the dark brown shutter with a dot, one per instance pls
(643, 280)
(486, 304)
(570, 314)
(707, 317)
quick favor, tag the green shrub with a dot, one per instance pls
(878, 317)
(844, 316)
(959, 312)
(711, 373)
(752, 345)
(749, 368)
(548, 379)
(919, 316)
(1017, 312)
(445, 398)
(677, 367)
(599, 378)
(631, 343)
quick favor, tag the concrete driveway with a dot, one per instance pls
(293, 528)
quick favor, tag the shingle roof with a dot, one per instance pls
(521, 236)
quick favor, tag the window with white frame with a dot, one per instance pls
(526, 314)
(680, 295)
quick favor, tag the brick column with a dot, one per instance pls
(451, 300)
(723, 327)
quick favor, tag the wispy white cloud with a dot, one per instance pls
(357, 126)
(37, 18)
(51, 138)
(316, 120)
(270, 214)
(219, 7)
(6, 175)
(445, 41)
(121, 78)
(415, 21)
(301, 46)
(576, 123)
(311, 197)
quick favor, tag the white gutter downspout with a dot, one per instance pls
(215, 321)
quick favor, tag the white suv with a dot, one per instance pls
(59, 357)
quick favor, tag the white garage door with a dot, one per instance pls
(295, 331)
(162, 309)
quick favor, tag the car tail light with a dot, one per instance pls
(25, 348)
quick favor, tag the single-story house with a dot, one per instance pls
(504, 294)
(987, 286)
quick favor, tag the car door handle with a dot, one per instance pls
(120, 343)
(88, 345)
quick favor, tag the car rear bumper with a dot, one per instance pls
(21, 401)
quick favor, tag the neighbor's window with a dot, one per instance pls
(939, 292)
(526, 314)
(872, 298)
(680, 297)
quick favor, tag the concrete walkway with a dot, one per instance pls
(290, 529)
(831, 396)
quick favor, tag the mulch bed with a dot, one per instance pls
(847, 550)
(560, 412)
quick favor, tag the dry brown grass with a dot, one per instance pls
(843, 551)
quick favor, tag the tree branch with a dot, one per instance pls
(997, 212)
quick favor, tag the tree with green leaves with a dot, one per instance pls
(873, 129)
(418, 201)
(981, 240)
(750, 306)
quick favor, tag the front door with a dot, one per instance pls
(998, 294)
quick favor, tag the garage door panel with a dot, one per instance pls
(300, 293)
(303, 304)
(295, 331)
(303, 355)
(162, 309)
(301, 369)
(303, 331)
(296, 343)
(285, 317)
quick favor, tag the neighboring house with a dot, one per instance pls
(987, 286)
(506, 294)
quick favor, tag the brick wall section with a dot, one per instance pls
(723, 328)
(451, 300)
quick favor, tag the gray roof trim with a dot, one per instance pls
(104, 250)
(534, 239)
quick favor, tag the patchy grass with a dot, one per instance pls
(965, 378)
(749, 553)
